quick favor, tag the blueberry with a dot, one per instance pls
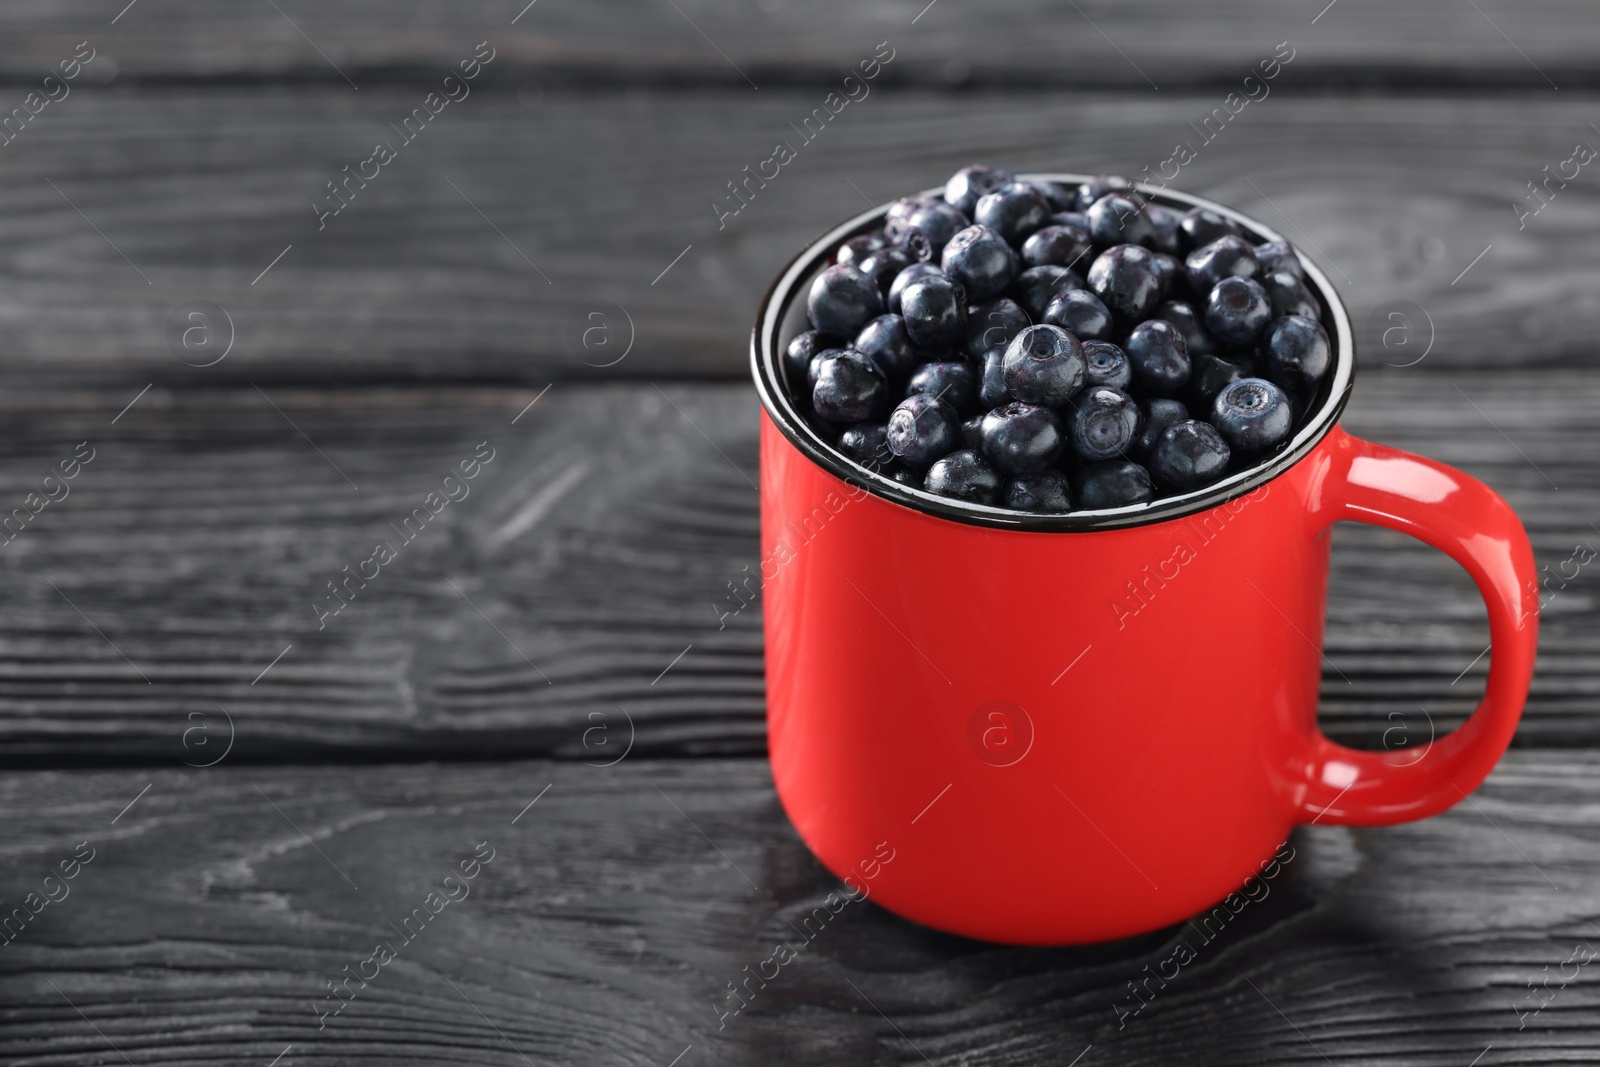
(901, 209)
(905, 278)
(1018, 438)
(1095, 188)
(1188, 456)
(905, 475)
(1164, 224)
(1159, 355)
(935, 311)
(801, 351)
(1226, 257)
(992, 391)
(1103, 423)
(1119, 218)
(981, 260)
(814, 368)
(1044, 365)
(1158, 415)
(1168, 270)
(922, 429)
(1210, 375)
(850, 388)
(1289, 295)
(972, 433)
(1081, 314)
(964, 475)
(954, 383)
(1013, 211)
(1063, 246)
(1127, 279)
(1237, 310)
(884, 265)
(1200, 226)
(856, 249)
(1038, 491)
(1115, 483)
(1183, 315)
(1277, 255)
(1059, 197)
(1108, 364)
(842, 300)
(934, 219)
(994, 322)
(1075, 219)
(967, 185)
(885, 341)
(1295, 353)
(1253, 416)
(1035, 287)
(866, 443)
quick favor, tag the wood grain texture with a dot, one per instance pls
(593, 550)
(566, 203)
(216, 908)
(1012, 42)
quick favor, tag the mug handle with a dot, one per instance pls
(1469, 522)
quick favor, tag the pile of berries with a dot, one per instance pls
(960, 350)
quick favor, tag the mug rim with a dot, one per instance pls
(767, 370)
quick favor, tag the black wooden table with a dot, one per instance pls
(252, 791)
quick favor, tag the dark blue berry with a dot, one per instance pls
(1158, 415)
(934, 219)
(801, 351)
(964, 475)
(1108, 364)
(1095, 188)
(1127, 279)
(866, 443)
(1200, 226)
(1044, 365)
(1081, 314)
(1237, 310)
(905, 278)
(994, 322)
(1038, 491)
(1164, 224)
(1035, 287)
(901, 209)
(884, 265)
(1018, 438)
(1188, 456)
(935, 311)
(842, 300)
(1075, 219)
(967, 185)
(1062, 246)
(884, 341)
(972, 433)
(1210, 375)
(905, 475)
(814, 368)
(1226, 257)
(1059, 197)
(1159, 355)
(850, 388)
(922, 429)
(1277, 255)
(856, 249)
(954, 383)
(1183, 315)
(1115, 483)
(1013, 211)
(980, 260)
(1103, 423)
(992, 391)
(1253, 416)
(1119, 218)
(1295, 353)
(1289, 295)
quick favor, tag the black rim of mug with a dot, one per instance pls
(794, 280)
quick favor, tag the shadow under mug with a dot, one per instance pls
(1072, 728)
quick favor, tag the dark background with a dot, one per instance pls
(160, 617)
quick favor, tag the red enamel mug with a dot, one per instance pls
(1078, 727)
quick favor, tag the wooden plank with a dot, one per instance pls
(615, 910)
(1011, 42)
(593, 551)
(587, 200)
